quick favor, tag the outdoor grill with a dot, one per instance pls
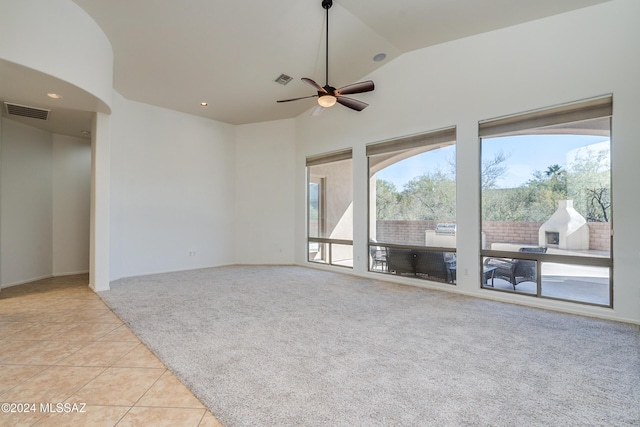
(446, 229)
(444, 235)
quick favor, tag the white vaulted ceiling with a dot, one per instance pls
(176, 54)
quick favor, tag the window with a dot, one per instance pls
(546, 202)
(412, 206)
(330, 209)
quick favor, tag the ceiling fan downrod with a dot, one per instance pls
(328, 95)
(326, 4)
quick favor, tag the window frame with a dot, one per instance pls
(327, 158)
(444, 137)
(595, 108)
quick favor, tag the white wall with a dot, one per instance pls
(577, 55)
(181, 184)
(44, 204)
(172, 190)
(25, 201)
(58, 38)
(265, 155)
(71, 183)
(1, 124)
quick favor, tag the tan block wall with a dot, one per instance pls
(412, 233)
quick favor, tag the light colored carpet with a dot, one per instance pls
(292, 346)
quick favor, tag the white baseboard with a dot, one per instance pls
(48, 276)
(70, 273)
(22, 282)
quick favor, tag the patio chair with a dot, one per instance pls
(434, 265)
(515, 271)
(534, 250)
(378, 256)
(401, 261)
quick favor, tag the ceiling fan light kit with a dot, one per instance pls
(327, 100)
(328, 95)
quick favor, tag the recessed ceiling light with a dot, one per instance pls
(204, 104)
(380, 57)
(54, 96)
(85, 133)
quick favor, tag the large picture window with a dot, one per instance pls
(547, 203)
(330, 209)
(412, 206)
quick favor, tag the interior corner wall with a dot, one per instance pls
(172, 189)
(26, 225)
(1, 123)
(265, 208)
(59, 38)
(564, 58)
(71, 204)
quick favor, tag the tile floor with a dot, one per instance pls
(60, 344)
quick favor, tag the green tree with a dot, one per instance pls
(557, 179)
(387, 200)
(493, 169)
(506, 204)
(544, 191)
(589, 184)
(535, 200)
(586, 182)
(431, 196)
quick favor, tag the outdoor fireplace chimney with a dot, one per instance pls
(566, 229)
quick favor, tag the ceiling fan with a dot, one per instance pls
(329, 95)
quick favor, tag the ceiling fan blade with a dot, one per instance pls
(317, 110)
(295, 99)
(354, 104)
(366, 86)
(314, 85)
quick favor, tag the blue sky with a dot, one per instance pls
(530, 153)
(526, 154)
(402, 172)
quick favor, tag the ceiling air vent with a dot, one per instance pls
(26, 111)
(283, 79)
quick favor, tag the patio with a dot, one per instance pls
(568, 282)
(572, 282)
